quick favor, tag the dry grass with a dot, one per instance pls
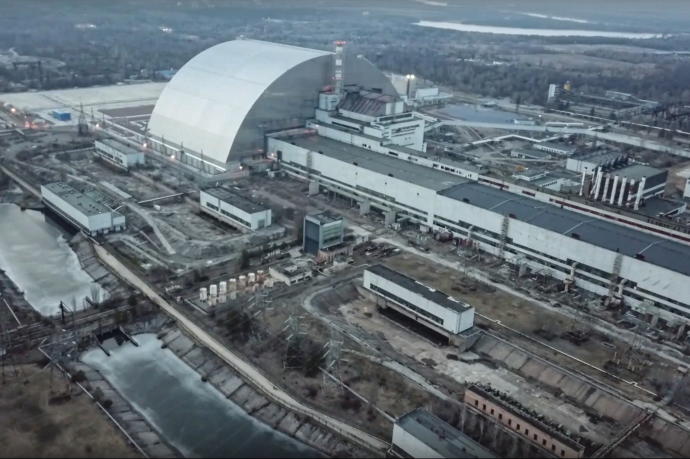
(40, 419)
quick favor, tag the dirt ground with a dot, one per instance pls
(527, 318)
(39, 419)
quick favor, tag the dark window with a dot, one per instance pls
(543, 442)
(562, 453)
(527, 433)
(492, 411)
(484, 406)
(535, 437)
(500, 416)
(510, 422)
(476, 402)
(553, 447)
(518, 427)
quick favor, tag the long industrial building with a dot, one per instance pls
(594, 254)
(234, 101)
(80, 210)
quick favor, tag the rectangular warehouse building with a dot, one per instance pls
(82, 211)
(322, 231)
(436, 310)
(420, 434)
(235, 209)
(118, 154)
(648, 273)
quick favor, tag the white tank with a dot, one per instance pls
(213, 289)
(222, 287)
(252, 278)
(242, 281)
(233, 295)
(203, 294)
(222, 298)
(268, 282)
(232, 286)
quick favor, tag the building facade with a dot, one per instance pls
(322, 231)
(235, 209)
(434, 309)
(118, 154)
(80, 210)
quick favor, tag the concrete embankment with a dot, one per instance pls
(213, 370)
(146, 437)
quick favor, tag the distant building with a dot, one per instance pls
(118, 154)
(322, 231)
(628, 186)
(429, 307)
(235, 209)
(420, 434)
(528, 425)
(81, 210)
(530, 175)
(555, 148)
(289, 273)
(588, 162)
(529, 153)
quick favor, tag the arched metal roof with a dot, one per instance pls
(206, 102)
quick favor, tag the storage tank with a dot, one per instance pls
(213, 290)
(222, 287)
(252, 278)
(242, 281)
(203, 294)
(233, 284)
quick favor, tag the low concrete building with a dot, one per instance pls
(118, 154)
(81, 210)
(518, 419)
(432, 308)
(235, 209)
(420, 434)
(289, 273)
(560, 149)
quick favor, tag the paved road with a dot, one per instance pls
(246, 370)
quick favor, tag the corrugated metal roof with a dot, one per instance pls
(659, 251)
(207, 100)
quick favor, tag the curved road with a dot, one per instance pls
(248, 371)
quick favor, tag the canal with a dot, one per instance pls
(189, 413)
(34, 253)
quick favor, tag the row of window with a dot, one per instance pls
(228, 214)
(520, 429)
(407, 304)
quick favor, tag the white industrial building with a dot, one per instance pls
(420, 434)
(629, 186)
(218, 107)
(650, 273)
(234, 101)
(234, 208)
(434, 309)
(118, 154)
(589, 162)
(82, 211)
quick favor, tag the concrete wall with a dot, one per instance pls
(453, 321)
(247, 220)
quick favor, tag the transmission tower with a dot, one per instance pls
(333, 350)
(293, 328)
(82, 126)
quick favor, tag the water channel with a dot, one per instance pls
(190, 414)
(34, 253)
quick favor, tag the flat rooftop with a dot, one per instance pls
(377, 162)
(83, 203)
(637, 171)
(119, 146)
(441, 436)
(235, 199)
(438, 297)
(656, 250)
(325, 217)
